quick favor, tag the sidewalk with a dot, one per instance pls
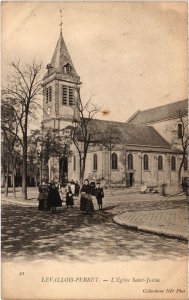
(166, 218)
(20, 201)
(32, 197)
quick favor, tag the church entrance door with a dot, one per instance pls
(131, 179)
(63, 167)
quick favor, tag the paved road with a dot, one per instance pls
(70, 235)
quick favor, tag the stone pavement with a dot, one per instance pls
(168, 223)
(167, 216)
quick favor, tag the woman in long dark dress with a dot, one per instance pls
(69, 197)
(77, 189)
(86, 203)
(53, 198)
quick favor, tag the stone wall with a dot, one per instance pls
(152, 176)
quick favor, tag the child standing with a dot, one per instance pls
(99, 194)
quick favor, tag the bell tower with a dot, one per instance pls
(60, 94)
(60, 88)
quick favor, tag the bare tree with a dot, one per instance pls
(33, 155)
(181, 139)
(108, 139)
(21, 92)
(81, 131)
(10, 142)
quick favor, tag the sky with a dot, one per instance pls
(129, 55)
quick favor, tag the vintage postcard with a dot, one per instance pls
(94, 169)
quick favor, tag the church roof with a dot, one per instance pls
(164, 112)
(130, 134)
(61, 57)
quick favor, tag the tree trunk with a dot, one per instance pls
(3, 177)
(7, 179)
(4, 180)
(62, 168)
(81, 174)
(180, 169)
(13, 182)
(80, 170)
(179, 176)
(24, 172)
(83, 168)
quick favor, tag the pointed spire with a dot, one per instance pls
(61, 57)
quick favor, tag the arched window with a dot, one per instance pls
(146, 163)
(95, 163)
(173, 163)
(114, 161)
(130, 161)
(179, 130)
(160, 163)
(185, 163)
(74, 163)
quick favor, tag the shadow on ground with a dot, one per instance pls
(69, 235)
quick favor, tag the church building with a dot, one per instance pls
(143, 153)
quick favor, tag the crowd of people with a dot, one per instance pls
(52, 195)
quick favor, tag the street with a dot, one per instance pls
(70, 235)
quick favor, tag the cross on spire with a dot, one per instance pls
(61, 23)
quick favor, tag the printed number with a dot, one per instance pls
(21, 273)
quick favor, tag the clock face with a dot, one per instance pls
(48, 110)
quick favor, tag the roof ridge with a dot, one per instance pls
(123, 123)
(133, 115)
(168, 104)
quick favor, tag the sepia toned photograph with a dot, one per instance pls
(94, 150)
